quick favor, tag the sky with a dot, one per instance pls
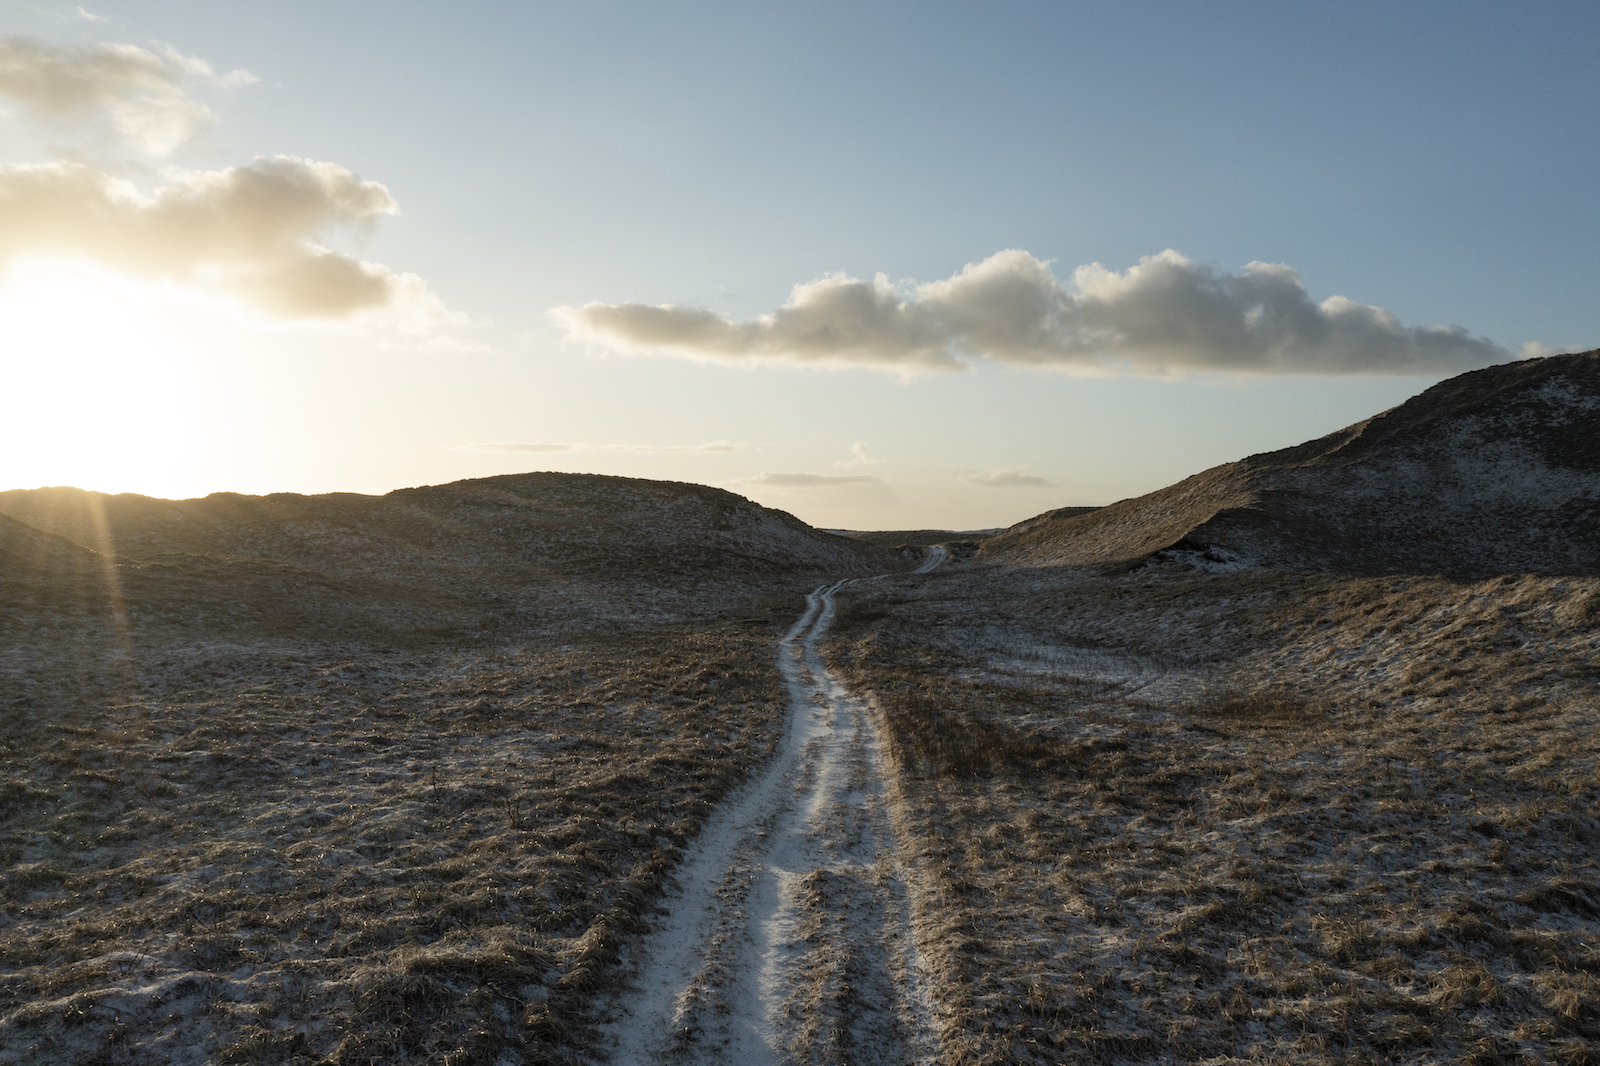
(884, 266)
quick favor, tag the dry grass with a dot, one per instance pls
(339, 856)
(349, 779)
(342, 796)
(1165, 816)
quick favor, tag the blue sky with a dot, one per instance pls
(1436, 161)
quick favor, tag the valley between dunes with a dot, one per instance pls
(1294, 761)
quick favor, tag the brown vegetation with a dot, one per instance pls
(1495, 471)
(1180, 817)
(344, 779)
(382, 780)
(318, 858)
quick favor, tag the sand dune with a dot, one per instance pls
(1495, 471)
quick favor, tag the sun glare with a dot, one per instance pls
(109, 384)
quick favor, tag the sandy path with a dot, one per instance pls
(788, 937)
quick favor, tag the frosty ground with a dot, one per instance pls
(424, 778)
(355, 779)
(788, 937)
(1169, 815)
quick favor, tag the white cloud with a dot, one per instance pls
(858, 456)
(837, 320)
(251, 232)
(1008, 478)
(1165, 315)
(90, 16)
(139, 93)
(808, 481)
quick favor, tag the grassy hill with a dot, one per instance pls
(361, 779)
(1495, 471)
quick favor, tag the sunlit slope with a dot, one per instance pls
(540, 551)
(24, 549)
(1495, 471)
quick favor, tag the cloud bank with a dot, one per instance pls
(139, 93)
(808, 481)
(1166, 315)
(1008, 479)
(251, 232)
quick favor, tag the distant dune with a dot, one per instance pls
(541, 551)
(917, 538)
(1495, 471)
(22, 547)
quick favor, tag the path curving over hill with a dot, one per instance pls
(789, 937)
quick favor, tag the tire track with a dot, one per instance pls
(788, 937)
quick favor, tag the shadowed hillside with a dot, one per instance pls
(1495, 471)
(540, 552)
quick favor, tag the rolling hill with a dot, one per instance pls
(525, 552)
(1494, 471)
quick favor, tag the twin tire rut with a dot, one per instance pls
(788, 938)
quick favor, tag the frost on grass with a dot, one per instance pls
(343, 779)
(346, 780)
(1173, 816)
(364, 859)
(1492, 472)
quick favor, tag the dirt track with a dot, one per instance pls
(788, 936)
